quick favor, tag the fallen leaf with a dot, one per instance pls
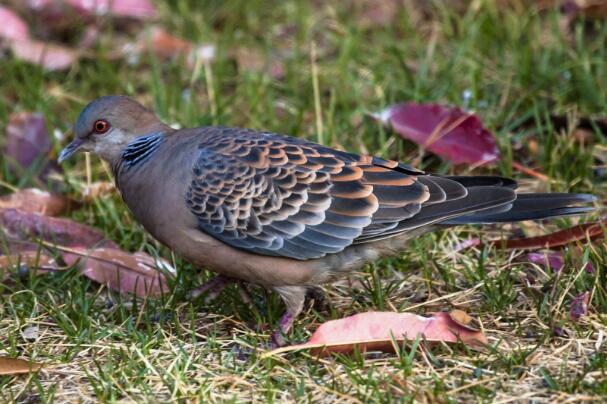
(377, 331)
(551, 259)
(49, 56)
(30, 259)
(56, 230)
(34, 200)
(579, 233)
(462, 318)
(27, 139)
(14, 366)
(446, 131)
(579, 306)
(12, 27)
(166, 46)
(127, 273)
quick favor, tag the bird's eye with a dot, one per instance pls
(101, 126)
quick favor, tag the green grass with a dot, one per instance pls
(516, 65)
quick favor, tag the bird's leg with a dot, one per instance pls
(315, 297)
(214, 287)
(294, 297)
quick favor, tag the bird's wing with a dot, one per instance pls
(282, 196)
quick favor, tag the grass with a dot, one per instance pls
(514, 66)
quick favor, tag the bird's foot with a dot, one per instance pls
(284, 325)
(216, 285)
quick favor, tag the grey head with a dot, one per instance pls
(108, 124)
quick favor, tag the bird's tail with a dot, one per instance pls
(532, 206)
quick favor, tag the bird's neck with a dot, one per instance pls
(137, 153)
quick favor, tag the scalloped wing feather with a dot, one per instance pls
(282, 196)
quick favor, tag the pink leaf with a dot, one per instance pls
(447, 131)
(12, 27)
(377, 330)
(51, 229)
(26, 138)
(36, 201)
(553, 260)
(579, 306)
(127, 273)
(51, 57)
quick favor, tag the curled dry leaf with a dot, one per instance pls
(13, 28)
(579, 306)
(377, 331)
(56, 230)
(26, 138)
(579, 233)
(34, 200)
(127, 273)
(15, 366)
(446, 131)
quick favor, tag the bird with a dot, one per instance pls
(284, 212)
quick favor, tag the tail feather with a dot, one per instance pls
(532, 206)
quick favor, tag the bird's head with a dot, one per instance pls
(106, 125)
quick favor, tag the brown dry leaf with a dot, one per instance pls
(127, 273)
(378, 330)
(23, 225)
(34, 200)
(14, 366)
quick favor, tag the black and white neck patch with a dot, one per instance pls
(141, 149)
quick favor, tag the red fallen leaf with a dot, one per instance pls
(137, 9)
(34, 200)
(377, 330)
(12, 27)
(553, 260)
(51, 229)
(127, 273)
(26, 138)
(14, 366)
(581, 233)
(51, 57)
(447, 131)
(579, 306)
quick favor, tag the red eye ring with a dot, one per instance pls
(101, 126)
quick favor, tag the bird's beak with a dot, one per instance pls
(71, 148)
